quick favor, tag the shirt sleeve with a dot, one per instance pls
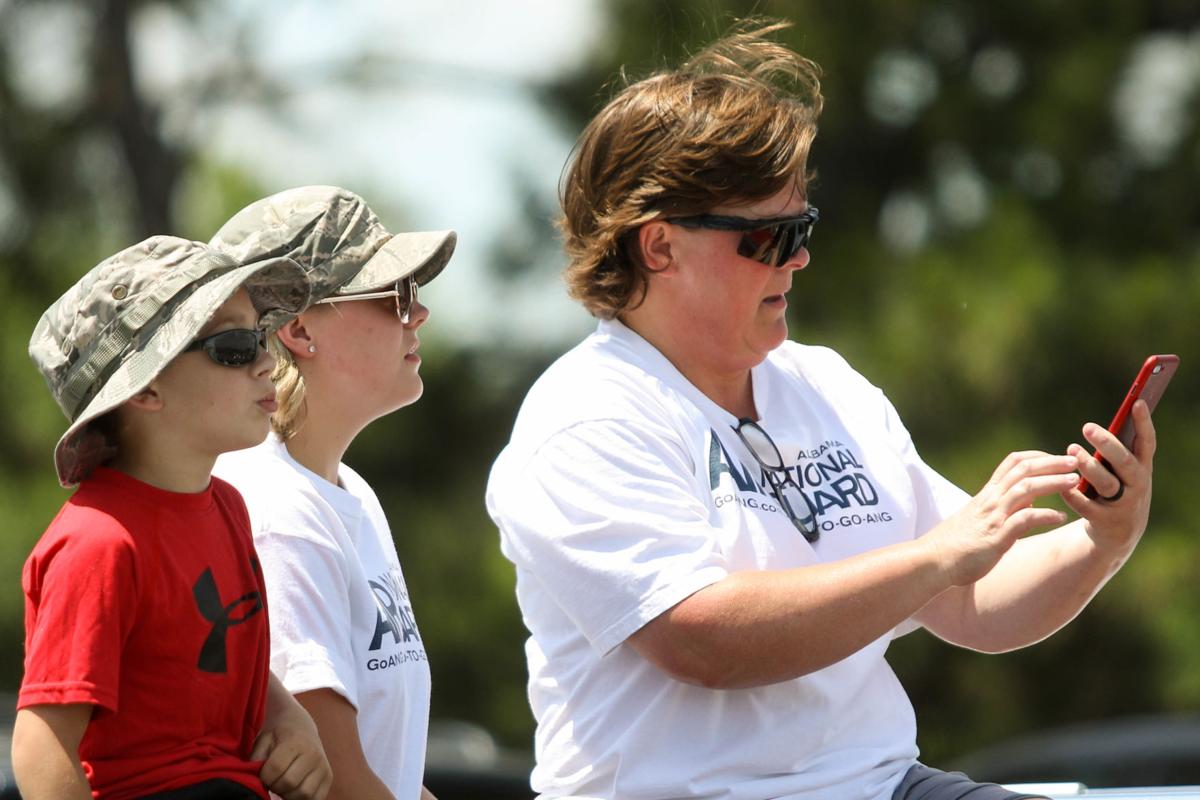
(607, 517)
(936, 498)
(81, 597)
(308, 594)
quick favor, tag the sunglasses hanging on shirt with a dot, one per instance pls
(792, 501)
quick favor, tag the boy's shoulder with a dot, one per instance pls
(224, 492)
(109, 507)
(89, 522)
(88, 533)
(100, 504)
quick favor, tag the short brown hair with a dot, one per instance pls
(733, 124)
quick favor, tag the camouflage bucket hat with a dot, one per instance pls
(336, 238)
(115, 330)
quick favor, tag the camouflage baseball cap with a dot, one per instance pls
(115, 330)
(336, 238)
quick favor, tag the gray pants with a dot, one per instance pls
(926, 783)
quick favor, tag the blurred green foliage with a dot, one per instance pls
(1010, 223)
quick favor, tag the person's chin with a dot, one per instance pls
(410, 394)
(239, 440)
(252, 436)
(776, 332)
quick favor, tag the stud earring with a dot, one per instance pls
(312, 348)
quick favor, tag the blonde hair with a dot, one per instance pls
(733, 124)
(289, 391)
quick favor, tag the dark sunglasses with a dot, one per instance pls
(405, 293)
(773, 241)
(791, 500)
(236, 347)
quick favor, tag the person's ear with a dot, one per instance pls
(654, 240)
(148, 399)
(297, 338)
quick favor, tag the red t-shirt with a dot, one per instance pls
(150, 605)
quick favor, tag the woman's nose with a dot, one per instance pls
(417, 315)
(799, 259)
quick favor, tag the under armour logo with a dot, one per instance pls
(208, 601)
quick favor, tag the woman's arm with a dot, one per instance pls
(1044, 581)
(337, 723)
(45, 752)
(1037, 588)
(760, 627)
(294, 765)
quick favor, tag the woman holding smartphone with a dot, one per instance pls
(717, 531)
(344, 638)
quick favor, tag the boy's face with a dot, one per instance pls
(214, 408)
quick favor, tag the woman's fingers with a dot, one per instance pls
(1095, 472)
(1025, 491)
(1011, 462)
(1128, 468)
(1027, 519)
(1145, 440)
(1033, 474)
(1123, 464)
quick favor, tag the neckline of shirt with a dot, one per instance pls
(337, 495)
(189, 502)
(662, 367)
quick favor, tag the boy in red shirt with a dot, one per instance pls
(146, 652)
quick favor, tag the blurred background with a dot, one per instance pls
(1010, 223)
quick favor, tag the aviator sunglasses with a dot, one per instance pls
(773, 241)
(405, 293)
(792, 501)
(236, 347)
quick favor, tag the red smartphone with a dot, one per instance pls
(1149, 385)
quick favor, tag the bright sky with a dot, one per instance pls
(447, 131)
(442, 138)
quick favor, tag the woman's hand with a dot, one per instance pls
(969, 543)
(1116, 517)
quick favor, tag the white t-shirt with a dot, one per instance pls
(623, 491)
(340, 613)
